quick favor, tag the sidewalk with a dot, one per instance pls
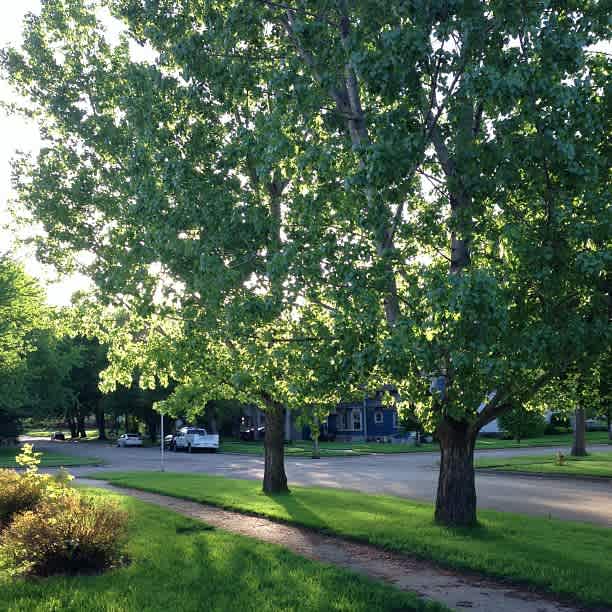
(458, 591)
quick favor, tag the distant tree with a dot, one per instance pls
(522, 423)
(85, 381)
(51, 392)
(23, 319)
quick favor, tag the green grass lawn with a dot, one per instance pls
(562, 440)
(179, 564)
(348, 449)
(48, 459)
(566, 558)
(596, 464)
(301, 448)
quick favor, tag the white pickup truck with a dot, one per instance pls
(195, 438)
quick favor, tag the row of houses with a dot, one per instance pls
(350, 421)
(368, 419)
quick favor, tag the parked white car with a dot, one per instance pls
(195, 438)
(129, 440)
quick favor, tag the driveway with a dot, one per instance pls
(411, 475)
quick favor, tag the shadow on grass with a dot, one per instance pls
(177, 565)
(298, 512)
(565, 557)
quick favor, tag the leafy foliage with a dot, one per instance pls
(329, 196)
(23, 492)
(66, 534)
(48, 528)
(17, 494)
(521, 423)
(22, 312)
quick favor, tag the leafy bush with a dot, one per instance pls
(21, 492)
(521, 423)
(48, 528)
(65, 534)
(18, 493)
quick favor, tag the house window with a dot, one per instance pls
(395, 419)
(378, 417)
(356, 419)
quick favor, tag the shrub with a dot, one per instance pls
(65, 534)
(521, 423)
(18, 493)
(22, 492)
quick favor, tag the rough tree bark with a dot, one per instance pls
(81, 426)
(101, 422)
(456, 496)
(152, 428)
(579, 444)
(73, 427)
(275, 478)
(316, 432)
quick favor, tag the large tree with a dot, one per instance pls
(433, 175)
(275, 368)
(215, 232)
(496, 280)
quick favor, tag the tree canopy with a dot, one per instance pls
(22, 314)
(421, 192)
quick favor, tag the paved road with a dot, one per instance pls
(412, 475)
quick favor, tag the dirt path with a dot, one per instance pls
(460, 592)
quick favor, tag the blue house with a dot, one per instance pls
(368, 419)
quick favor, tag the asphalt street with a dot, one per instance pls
(411, 475)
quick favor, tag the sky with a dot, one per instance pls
(19, 134)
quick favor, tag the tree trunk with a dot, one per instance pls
(275, 479)
(81, 426)
(73, 427)
(101, 423)
(212, 423)
(127, 423)
(579, 445)
(456, 497)
(152, 427)
(316, 451)
(315, 432)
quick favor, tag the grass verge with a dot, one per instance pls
(180, 564)
(353, 449)
(598, 465)
(562, 557)
(302, 448)
(48, 459)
